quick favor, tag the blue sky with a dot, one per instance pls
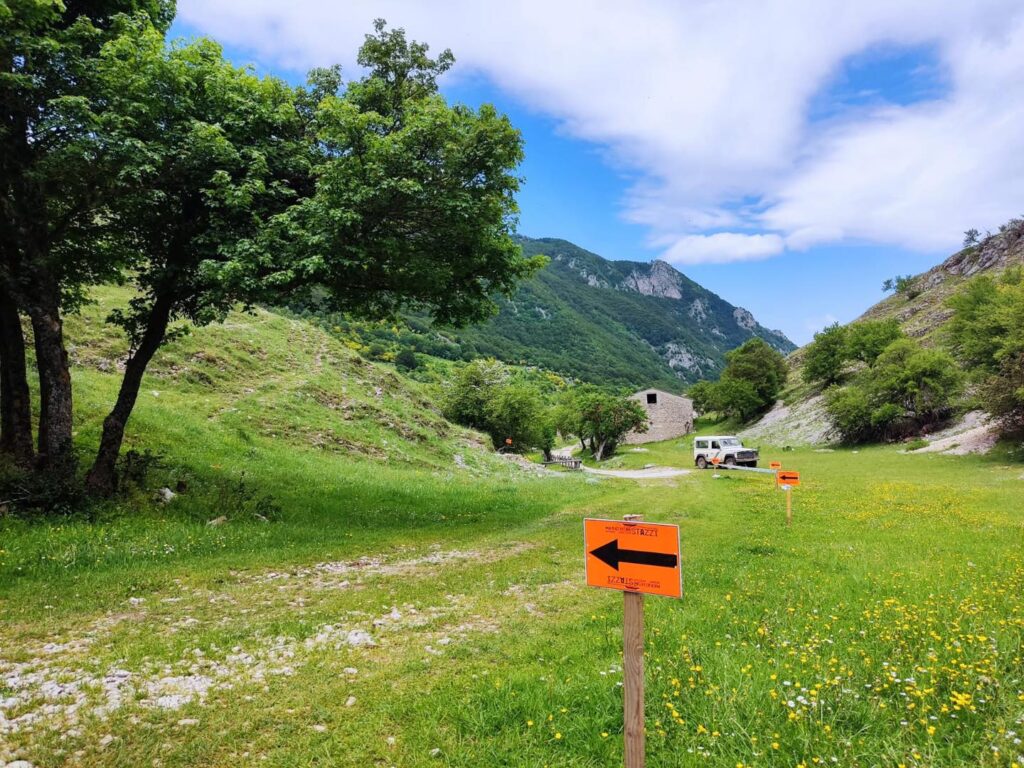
(789, 156)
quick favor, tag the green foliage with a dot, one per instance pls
(908, 389)
(414, 199)
(837, 345)
(754, 375)
(866, 340)
(210, 153)
(406, 360)
(517, 413)
(604, 419)
(703, 395)
(903, 285)
(826, 356)
(986, 334)
(489, 396)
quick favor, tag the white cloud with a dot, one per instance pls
(706, 103)
(721, 248)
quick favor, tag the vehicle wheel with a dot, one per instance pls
(730, 461)
(702, 463)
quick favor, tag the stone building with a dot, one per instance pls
(668, 415)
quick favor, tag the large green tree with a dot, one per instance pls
(605, 419)
(754, 375)
(826, 356)
(56, 172)
(211, 153)
(987, 336)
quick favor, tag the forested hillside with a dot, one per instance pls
(621, 323)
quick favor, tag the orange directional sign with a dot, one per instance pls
(775, 465)
(633, 557)
(789, 477)
(715, 460)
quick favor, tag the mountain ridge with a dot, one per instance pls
(665, 328)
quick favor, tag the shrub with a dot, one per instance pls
(406, 360)
(907, 390)
(866, 340)
(826, 356)
(986, 334)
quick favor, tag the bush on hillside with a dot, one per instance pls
(909, 389)
(506, 404)
(987, 336)
(836, 346)
(826, 355)
(868, 339)
(406, 360)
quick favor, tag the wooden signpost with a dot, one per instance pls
(787, 480)
(636, 558)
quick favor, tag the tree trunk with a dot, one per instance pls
(15, 399)
(599, 453)
(56, 446)
(547, 454)
(583, 443)
(102, 477)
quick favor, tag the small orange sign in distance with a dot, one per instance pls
(633, 556)
(775, 465)
(789, 477)
(716, 461)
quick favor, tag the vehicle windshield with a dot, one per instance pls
(731, 442)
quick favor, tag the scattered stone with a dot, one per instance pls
(20, 764)
(165, 495)
(390, 741)
(350, 671)
(136, 600)
(217, 521)
(320, 728)
(350, 701)
(188, 721)
(435, 752)
(106, 741)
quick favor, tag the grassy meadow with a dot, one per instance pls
(369, 607)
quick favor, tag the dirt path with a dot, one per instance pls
(653, 473)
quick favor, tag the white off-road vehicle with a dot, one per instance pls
(728, 449)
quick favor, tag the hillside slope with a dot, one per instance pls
(921, 312)
(924, 310)
(620, 322)
(260, 383)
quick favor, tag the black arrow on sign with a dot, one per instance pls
(610, 554)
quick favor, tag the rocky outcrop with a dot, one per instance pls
(744, 319)
(661, 280)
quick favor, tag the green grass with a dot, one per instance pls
(894, 605)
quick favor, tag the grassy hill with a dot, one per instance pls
(263, 384)
(620, 323)
(390, 607)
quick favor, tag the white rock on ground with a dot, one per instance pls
(804, 423)
(974, 433)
